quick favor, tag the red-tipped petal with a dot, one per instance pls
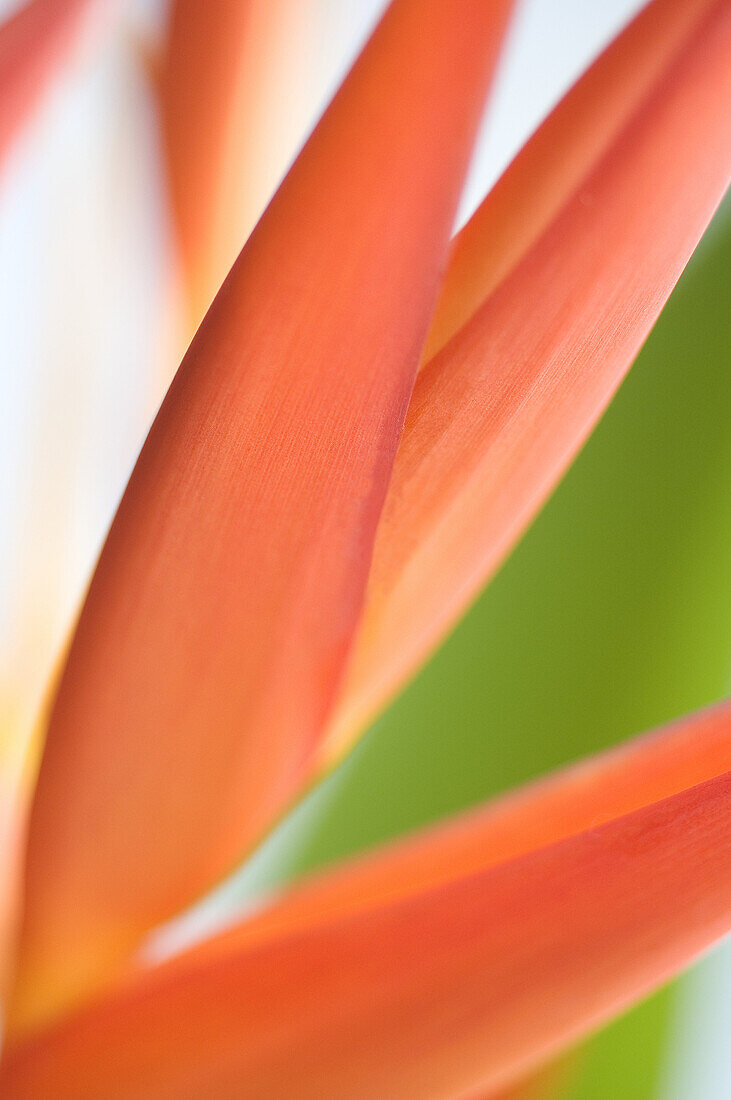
(499, 413)
(464, 985)
(222, 609)
(34, 42)
(217, 133)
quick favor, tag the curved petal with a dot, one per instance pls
(463, 985)
(222, 609)
(552, 164)
(220, 138)
(597, 790)
(500, 412)
(33, 44)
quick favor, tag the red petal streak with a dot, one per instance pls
(34, 43)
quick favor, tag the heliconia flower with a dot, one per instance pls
(317, 502)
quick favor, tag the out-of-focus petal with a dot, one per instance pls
(461, 985)
(553, 163)
(34, 42)
(223, 606)
(223, 146)
(11, 819)
(499, 413)
(548, 1083)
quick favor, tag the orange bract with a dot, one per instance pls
(498, 414)
(553, 163)
(465, 981)
(280, 511)
(239, 556)
(591, 793)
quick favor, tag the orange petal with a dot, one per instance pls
(219, 136)
(33, 44)
(499, 413)
(221, 612)
(642, 771)
(464, 985)
(553, 163)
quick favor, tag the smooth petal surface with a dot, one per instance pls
(620, 781)
(222, 609)
(546, 171)
(612, 615)
(223, 125)
(462, 985)
(34, 42)
(499, 413)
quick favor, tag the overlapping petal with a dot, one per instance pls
(620, 781)
(552, 164)
(34, 42)
(222, 609)
(220, 140)
(595, 886)
(499, 413)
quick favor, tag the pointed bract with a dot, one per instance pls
(221, 612)
(499, 413)
(552, 164)
(644, 770)
(463, 984)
